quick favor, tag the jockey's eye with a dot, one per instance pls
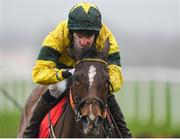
(81, 35)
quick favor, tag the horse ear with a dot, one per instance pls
(106, 48)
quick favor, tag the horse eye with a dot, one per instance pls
(76, 80)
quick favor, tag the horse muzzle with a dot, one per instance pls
(90, 118)
(91, 125)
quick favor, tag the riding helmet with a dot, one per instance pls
(84, 16)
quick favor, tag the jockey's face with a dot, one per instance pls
(82, 40)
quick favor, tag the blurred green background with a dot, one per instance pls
(148, 34)
(150, 107)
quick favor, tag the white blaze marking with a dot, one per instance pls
(91, 73)
(91, 116)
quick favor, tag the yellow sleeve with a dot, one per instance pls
(58, 38)
(114, 67)
(115, 76)
(45, 72)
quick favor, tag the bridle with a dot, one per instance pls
(76, 103)
(92, 60)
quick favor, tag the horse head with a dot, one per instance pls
(88, 91)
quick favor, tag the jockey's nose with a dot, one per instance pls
(84, 41)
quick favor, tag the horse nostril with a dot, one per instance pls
(99, 121)
(85, 121)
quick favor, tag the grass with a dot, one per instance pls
(9, 122)
(147, 130)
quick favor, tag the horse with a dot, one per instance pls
(85, 111)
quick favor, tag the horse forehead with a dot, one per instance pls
(91, 74)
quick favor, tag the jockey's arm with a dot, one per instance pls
(45, 71)
(114, 69)
(114, 66)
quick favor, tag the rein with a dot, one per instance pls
(71, 100)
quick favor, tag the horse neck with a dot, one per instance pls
(66, 126)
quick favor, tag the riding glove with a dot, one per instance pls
(68, 72)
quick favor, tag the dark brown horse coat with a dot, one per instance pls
(29, 107)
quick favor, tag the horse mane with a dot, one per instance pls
(89, 52)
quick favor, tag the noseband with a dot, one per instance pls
(76, 104)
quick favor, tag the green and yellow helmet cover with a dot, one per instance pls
(84, 16)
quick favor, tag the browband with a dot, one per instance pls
(93, 60)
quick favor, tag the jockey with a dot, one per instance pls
(54, 64)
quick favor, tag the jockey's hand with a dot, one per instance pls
(68, 72)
